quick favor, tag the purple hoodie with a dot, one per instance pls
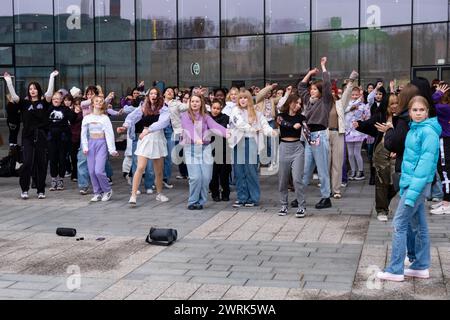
(443, 113)
(203, 128)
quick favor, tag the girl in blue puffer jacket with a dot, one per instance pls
(418, 169)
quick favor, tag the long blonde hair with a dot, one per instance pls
(250, 107)
(202, 110)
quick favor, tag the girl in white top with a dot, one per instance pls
(247, 138)
(97, 139)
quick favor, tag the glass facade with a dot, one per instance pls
(117, 43)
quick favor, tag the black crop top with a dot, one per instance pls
(287, 123)
(146, 122)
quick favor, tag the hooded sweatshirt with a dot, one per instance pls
(420, 158)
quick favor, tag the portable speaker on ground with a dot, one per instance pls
(66, 232)
(162, 237)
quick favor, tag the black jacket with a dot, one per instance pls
(394, 140)
(368, 127)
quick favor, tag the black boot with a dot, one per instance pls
(324, 203)
(372, 176)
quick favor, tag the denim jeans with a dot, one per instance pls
(246, 171)
(436, 189)
(83, 171)
(414, 219)
(199, 161)
(149, 179)
(168, 160)
(108, 168)
(318, 155)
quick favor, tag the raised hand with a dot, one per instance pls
(443, 88)
(379, 85)
(274, 85)
(7, 76)
(289, 90)
(54, 73)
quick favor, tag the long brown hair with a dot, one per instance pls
(291, 99)
(393, 98)
(202, 110)
(405, 96)
(148, 110)
(250, 107)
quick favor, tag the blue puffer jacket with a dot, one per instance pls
(420, 158)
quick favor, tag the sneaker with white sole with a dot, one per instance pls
(107, 196)
(167, 185)
(138, 192)
(301, 213)
(84, 191)
(149, 191)
(132, 201)
(390, 276)
(407, 262)
(53, 185)
(423, 274)
(24, 195)
(60, 185)
(441, 210)
(283, 211)
(96, 198)
(162, 198)
(382, 217)
(41, 196)
(437, 205)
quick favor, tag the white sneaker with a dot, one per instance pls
(24, 195)
(441, 210)
(41, 196)
(315, 176)
(162, 198)
(107, 196)
(132, 201)
(382, 217)
(437, 205)
(390, 276)
(423, 274)
(96, 198)
(149, 191)
(138, 192)
(407, 263)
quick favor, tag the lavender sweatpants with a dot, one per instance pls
(96, 160)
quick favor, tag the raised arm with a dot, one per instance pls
(327, 94)
(163, 120)
(346, 96)
(15, 98)
(263, 93)
(303, 85)
(51, 86)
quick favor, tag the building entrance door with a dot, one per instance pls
(431, 73)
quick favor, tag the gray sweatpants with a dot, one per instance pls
(292, 156)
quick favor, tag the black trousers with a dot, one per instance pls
(34, 161)
(14, 129)
(220, 177)
(57, 151)
(444, 166)
(74, 158)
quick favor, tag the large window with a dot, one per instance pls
(199, 62)
(6, 56)
(287, 56)
(430, 44)
(116, 66)
(25, 75)
(341, 49)
(34, 21)
(242, 17)
(329, 14)
(75, 69)
(385, 54)
(157, 60)
(114, 20)
(243, 60)
(430, 10)
(375, 13)
(291, 16)
(74, 20)
(6, 22)
(156, 19)
(34, 55)
(198, 18)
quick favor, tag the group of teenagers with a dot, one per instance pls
(406, 131)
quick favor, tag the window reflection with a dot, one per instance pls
(74, 20)
(385, 12)
(293, 15)
(328, 14)
(430, 44)
(431, 10)
(198, 18)
(114, 20)
(156, 19)
(6, 22)
(242, 17)
(75, 69)
(33, 20)
(243, 60)
(294, 48)
(202, 54)
(34, 55)
(385, 54)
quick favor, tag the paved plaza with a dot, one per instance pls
(221, 252)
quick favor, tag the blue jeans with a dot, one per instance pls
(436, 189)
(82, 170)
(199, 161)
(149, 179)
(168, 160)
(318, 155)
(410, 222)
(246, 171)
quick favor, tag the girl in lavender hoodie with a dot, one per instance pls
(198, 128)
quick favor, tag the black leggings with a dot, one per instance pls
(14, 128)
(57, 151)
(34, 161)
(444, 166)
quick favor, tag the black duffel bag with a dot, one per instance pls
(162, 237)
